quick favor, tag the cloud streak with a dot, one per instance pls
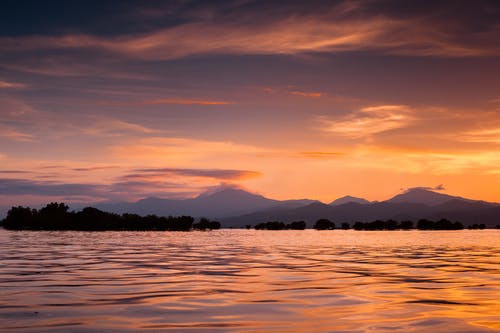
(9, 186)
(138, 183)
(307, 93)
(220, 174)
(369, 121)
(185, 102)
(487, 135)
(11, 85)
(439, 187)
(347, 26)
(15, 135)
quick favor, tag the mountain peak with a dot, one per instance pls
(423, 196)
(227, 192)
(348, 198)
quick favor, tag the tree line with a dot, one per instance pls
(277, 225)
(56, 216)
(325, 224)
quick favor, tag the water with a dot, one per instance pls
(250, 281)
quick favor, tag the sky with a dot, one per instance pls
(121, 100)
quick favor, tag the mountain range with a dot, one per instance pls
(237, 208)
(224, 203)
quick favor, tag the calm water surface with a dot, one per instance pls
(250, 281)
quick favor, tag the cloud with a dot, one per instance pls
(178, 151)
(13, 108)
(94, 182)
(114, 127)
(487, 135)
(307, 93)
(93, 168)
(14, 134)
(260, 28)
(11, 85)
(319, 154)
(14, 171)
(368, 121)
(9, 186)
(186, 102)
(221, 174)
(439, 187)
(89, 192)
(140, 189)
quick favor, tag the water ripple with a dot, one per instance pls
(250, 281)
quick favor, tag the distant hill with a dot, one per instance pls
(347, 199)
(412, 205)
(223, 203)
(348, 212)
(237, 208)
(423, 196)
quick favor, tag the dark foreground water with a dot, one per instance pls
(250, 281)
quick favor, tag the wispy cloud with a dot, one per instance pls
(138, 183)
(184, 151)
(487, 135)
(368, 121)
(9, 186)
(115, 127)
(186, 101)
(14, 134)
(14, 172)
(307, 93)
(94, 168)
(439, 187)
(90, 192)
(11, 85)
(221, 174)
(320, 154)
(334, 28)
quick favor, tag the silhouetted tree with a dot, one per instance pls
(55, 216)
(272, 225)
(442, 224)
(324, 224)
(21, 217)
(406, 225)
(424, 224)
(297, 225)
(205, 224)
(345, 226)
(477, 226)
(358, 225)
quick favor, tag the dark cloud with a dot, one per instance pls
(14, 172)
(76, 192)
(142, 183)
(9, 186)
(119, 17)
(439, 187)
(443, 28)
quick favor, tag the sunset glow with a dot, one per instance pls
(305, 100)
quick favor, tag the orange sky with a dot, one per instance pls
(298, 101)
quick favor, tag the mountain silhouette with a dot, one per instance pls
(222, 203)
(412, 205)
(348, 198)
(237, 208)
(423, 196)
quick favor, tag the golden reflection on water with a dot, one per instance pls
(250, 281)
